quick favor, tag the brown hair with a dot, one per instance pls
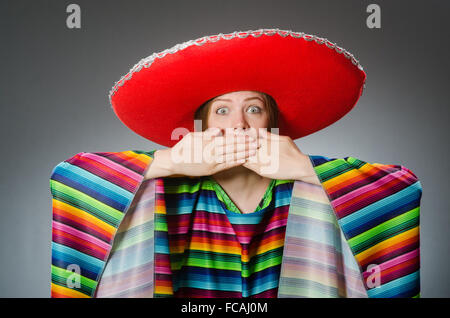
(272, 108)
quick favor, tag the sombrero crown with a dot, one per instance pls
(314, 81)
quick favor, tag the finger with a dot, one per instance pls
(233, 156)
(252, 132)
(237, 155)
(237, 138)
(264, 134)
(229, 164)
(214, 131)
(245, 154)
(233, 148)
(211, 133)
(219, 140)
(230, 139)
(230, 157)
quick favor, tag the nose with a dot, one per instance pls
(239, 122)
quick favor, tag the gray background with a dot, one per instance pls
(55, 81)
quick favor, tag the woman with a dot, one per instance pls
(246, 112)
(164, 224)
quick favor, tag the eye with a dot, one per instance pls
(254, 109)
(221, 110)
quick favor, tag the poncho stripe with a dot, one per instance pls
(377, 207)
(91, 193)
(217, 259)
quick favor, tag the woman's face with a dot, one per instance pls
(238, 110)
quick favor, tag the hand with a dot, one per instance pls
(278, 157)
(200, 154)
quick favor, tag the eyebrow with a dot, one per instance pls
(229, 100)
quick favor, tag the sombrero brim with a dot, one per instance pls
(313, 81)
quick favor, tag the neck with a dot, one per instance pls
(241, 178)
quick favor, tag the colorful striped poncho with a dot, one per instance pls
(215, 250)
(117, 235)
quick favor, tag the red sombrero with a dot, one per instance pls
(314, 81)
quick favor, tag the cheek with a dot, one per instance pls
(215, 121)
(259, 121)
(211, 121)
